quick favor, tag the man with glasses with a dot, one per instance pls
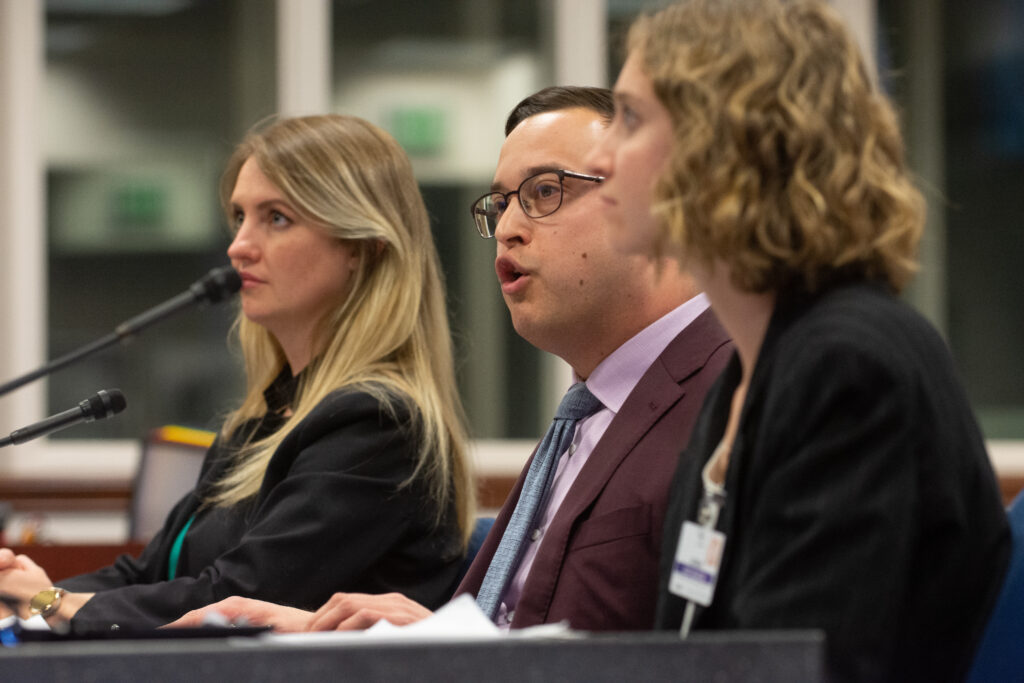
(646, 345)
(539, 196)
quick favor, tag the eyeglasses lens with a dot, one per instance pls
(541, 195)
(487, 212)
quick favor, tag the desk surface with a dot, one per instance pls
(724, 657)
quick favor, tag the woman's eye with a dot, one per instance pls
(236, 220)
(278, 219)
(629, 117)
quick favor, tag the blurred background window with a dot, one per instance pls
(142, 101)
(957, 70)
(441, 77)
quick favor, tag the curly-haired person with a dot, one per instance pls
(836, 478)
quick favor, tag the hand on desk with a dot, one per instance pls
(239, 610)
(8, 559)
(357, 611)
(21, 578)
(343, 612)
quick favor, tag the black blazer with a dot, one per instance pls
(860, 499)
(331, 515)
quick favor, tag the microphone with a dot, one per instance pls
(105, 403)
(215, 286)
(218, 284)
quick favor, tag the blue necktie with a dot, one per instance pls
(577, 404)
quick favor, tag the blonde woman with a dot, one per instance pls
(836, 478)
(345, 466)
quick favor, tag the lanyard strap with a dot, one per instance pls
(172, 561)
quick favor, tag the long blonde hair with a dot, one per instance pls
(389, 337)
(787, 161)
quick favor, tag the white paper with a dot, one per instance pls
(35, 623)
(458, 621)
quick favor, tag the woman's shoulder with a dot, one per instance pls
(350, 429)
(862, 319)
(857, 333)
(358, 409)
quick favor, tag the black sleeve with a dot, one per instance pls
(827, 535)
(151, 564)
(126, 570)
(332, 510)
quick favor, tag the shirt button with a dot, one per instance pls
(535, 535)
(572, 449)
(510, 615)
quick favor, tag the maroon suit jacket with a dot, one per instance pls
(597, 566)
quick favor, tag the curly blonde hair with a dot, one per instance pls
(787, 163)
(389, 336)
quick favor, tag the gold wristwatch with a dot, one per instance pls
(45, 603)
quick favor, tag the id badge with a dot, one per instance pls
(695, 569)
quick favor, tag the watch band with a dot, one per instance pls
(46, 602)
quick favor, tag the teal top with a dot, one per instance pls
(172, 560)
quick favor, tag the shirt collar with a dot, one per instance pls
(615, 377)
(281, 392)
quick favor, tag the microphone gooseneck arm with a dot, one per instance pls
(216, 285)
(101, 405)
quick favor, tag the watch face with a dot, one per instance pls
(42, 600)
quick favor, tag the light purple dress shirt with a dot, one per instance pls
(611, 382)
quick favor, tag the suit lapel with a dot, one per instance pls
(658, 390)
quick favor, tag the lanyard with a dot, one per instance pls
(172, 561)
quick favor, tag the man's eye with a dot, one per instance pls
(546, 191)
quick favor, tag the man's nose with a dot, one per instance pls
(514, 225)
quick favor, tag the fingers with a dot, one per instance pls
(357, 611)
(190, 619)
(238, 611)
(343, 612)
(26, 562)
(8, 560)
(340, 608)
(344, 619)
(228, 611)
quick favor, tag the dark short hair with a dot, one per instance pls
(558, 97)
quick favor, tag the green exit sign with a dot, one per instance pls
(137, 206)
(419, 130)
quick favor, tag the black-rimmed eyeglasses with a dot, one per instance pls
(539, 195)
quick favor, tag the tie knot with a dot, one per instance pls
(578, 403)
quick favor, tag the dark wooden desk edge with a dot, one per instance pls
(735, 656)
